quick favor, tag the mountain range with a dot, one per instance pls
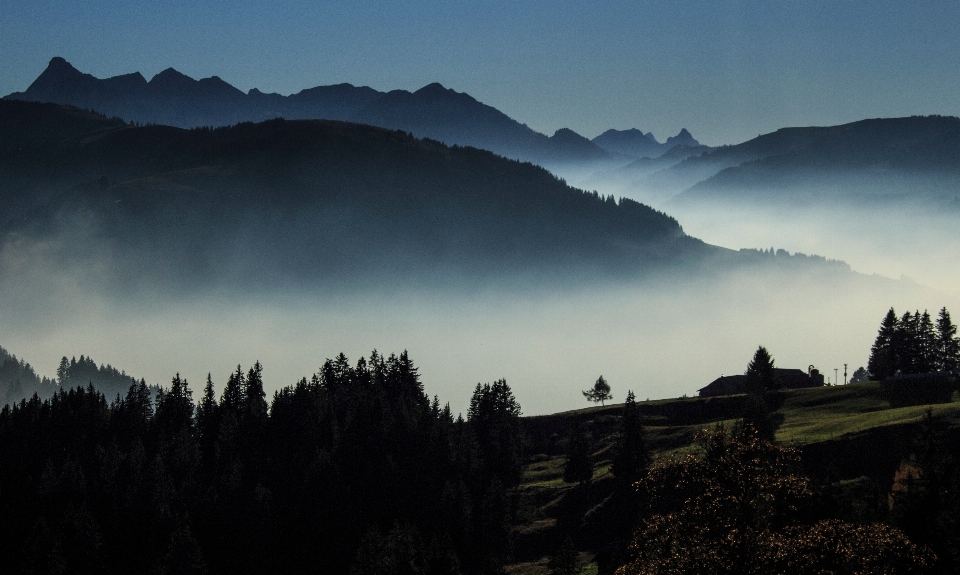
(306, 201)
(174, 99)
(634, 143)
(878, 162)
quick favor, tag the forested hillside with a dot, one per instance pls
(18, 380)
(355, 470)
(306, 201)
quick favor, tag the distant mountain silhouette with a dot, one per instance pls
(173, 99)
(682, 138)
(320, 202)
(881, 162)
(635, 143)
(878, 160)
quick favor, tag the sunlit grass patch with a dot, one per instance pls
(801, 429)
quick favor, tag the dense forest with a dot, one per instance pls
(352, 469)
(357, 470)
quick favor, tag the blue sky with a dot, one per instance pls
(727, 71)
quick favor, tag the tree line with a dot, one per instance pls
(18, 379)
(353, 470)
(913, 344)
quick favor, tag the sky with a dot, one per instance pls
(727, 71)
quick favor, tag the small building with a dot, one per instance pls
(789, 379)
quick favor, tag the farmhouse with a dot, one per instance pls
(789, 379)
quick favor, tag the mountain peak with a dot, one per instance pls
(684, 137)
(60, 68)
(59, 62)
(632, 142)
(172, 81)
(435, 88)
(568, 135)
(170, 73)
(59, 76)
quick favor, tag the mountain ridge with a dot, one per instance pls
(912, 157)
(433, 111)
(322, 196)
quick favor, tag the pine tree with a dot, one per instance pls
(947, 346)
(761, 381)
(255, 403)
(630, 458)
(761, 375)
(232, 400)
(883, 360)
(207, 411)
(494, 418)
(905, 344)
(926, 344)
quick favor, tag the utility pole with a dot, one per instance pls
(836, 376)
(844, 374)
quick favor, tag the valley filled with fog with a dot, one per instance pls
(659, 338)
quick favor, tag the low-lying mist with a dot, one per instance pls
(913, 244)
(895, 230)
(659, 338)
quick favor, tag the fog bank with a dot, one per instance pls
(659, 339)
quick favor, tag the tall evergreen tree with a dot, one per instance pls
(207, 411)
(947, 346)
(883, 361)
(926, 344)
(255, 403)
(234, 394)
(494, 417)
(761, 375)
(630, 458)
(906, 344)
(760, 384)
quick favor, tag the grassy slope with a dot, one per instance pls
(815, 418)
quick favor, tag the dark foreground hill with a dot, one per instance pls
(858, 452)
(307, 201)
(174, 99)
(357, 470)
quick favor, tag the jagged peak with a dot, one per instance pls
(59, 66)
(685, 137)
